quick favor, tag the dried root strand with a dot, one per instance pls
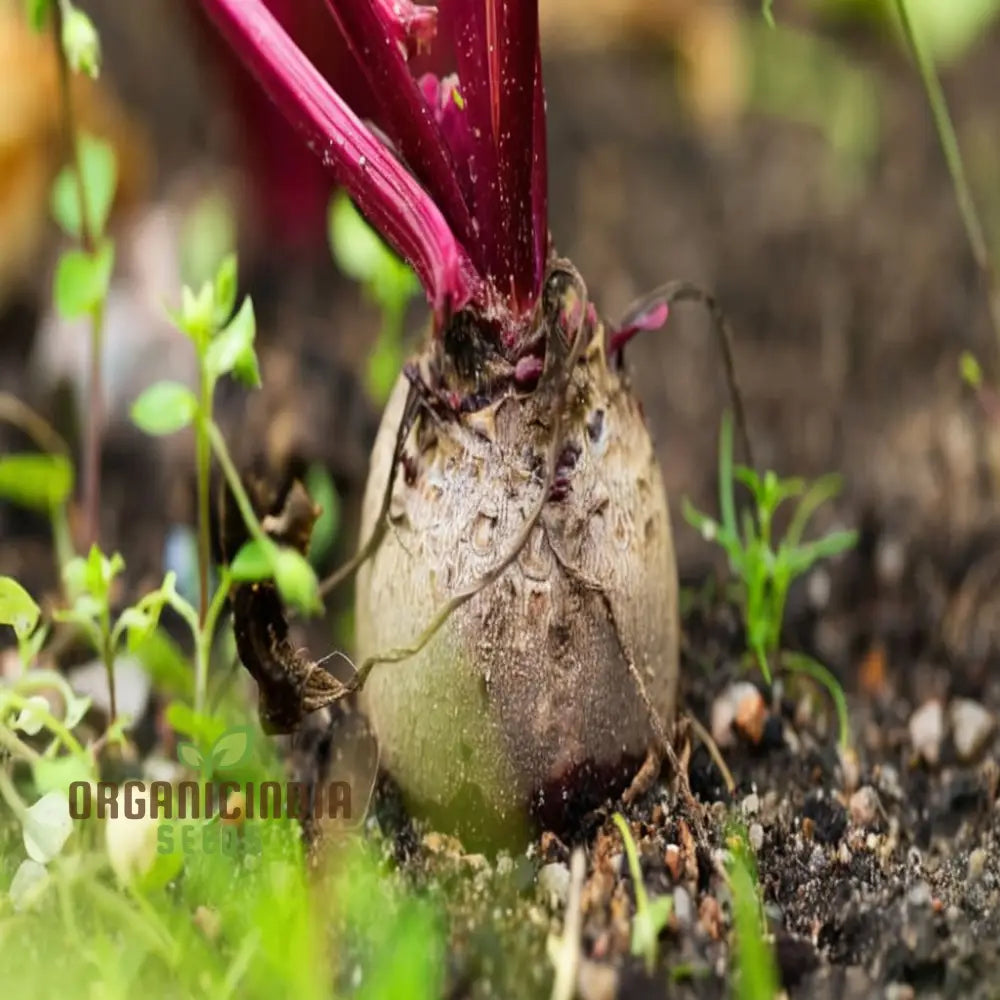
(685, 291)
(410, 410)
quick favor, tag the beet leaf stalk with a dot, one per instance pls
(517, 626)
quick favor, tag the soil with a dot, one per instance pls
(851, 308)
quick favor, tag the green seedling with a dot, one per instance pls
(756, 971)
(651, 914)
(223, 338)
(765, 566)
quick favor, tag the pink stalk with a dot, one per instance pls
(413, 25)
(373, 32)
(382, 188)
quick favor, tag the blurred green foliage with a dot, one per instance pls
(387, 282)
(949, 28)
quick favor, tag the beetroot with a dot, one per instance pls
(518, 617)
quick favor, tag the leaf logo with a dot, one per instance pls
(230, 749)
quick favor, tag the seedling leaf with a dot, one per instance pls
(82, 280)
(77, 708)
(46, 827)
(56, 774)
(80, 42)
(231, 350)
(30, 719)
(225, 289)
(253, 562)
(100, 178)
(27, 885)
(17, 608)
(40, 482)
(297, 581)
(38, 12)
(164, 408)
(970, 370)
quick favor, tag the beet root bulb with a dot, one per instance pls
(536, 693)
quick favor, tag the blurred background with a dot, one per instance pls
(793, 171)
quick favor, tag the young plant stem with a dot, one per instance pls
(16, 747)
(239, 494)
(10, 795)
(956, 165)
(18, 414)
(203, 642)
(95, 416)
(761, 658)
(49, 440)
(203, 458)
(50, 722)
(802, 664)
(108, 656)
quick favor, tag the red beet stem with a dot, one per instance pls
(374, 31)
(499, 72)
(387, 194)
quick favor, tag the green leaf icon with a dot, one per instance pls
(232, 748)
(190, 756)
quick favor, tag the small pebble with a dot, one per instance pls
(920, 894)
(554, 881)
(739, 707)
(683, 907)
(888, 783)
(972, 725)
(844, 855)
(850, 768)
(596, 981)
(927, 730)
(672, 858)
(817, 860)
(890, 560)
(819, 588)
(899, 991)
(208, 922)
(710, 917)
(864, 806)
(756, 836)
(977, 864)
(751, 805)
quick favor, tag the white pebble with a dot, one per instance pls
(683, 908)
(927, 730)
(554, 881)
(972, 726)
(864, 806)
(977, 864)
